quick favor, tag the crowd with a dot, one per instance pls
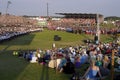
(12, 26)
(87, 26)
(118, 23)
(70, 59)
(87, 30)
(71, 22)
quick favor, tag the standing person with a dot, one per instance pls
(96, 39)
(53, 45)
(92, 71)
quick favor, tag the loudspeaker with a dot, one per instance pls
(57, 38)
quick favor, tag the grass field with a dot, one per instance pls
(44, 40)
(14, 68)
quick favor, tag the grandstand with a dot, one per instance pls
(76, 20)
(11, 26)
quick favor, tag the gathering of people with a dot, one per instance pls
(12, 26)
(69, 59)
(80, 25)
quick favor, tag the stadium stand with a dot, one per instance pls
(12, 26)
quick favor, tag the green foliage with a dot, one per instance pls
(107, 26)
(112, 18)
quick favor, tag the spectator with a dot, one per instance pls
(68, 68)
(92, 71)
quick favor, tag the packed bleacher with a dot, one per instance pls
(65, 22)
(12, 26)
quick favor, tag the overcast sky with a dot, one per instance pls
(39, 7)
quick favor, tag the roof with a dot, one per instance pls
(79, 14)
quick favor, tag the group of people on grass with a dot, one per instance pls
(78, 26)
(12, 26)
(70, 59)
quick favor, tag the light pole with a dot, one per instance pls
(98, 28)
(97, 35)
(8, 3)
(47, 10)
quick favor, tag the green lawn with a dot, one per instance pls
(44, 40)
(14, 68)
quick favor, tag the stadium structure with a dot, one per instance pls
(75, 20)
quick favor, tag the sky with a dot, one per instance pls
(39, 7)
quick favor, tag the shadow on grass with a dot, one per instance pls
(20, 40)
(11, 66)
(4, 48)
(45, 73)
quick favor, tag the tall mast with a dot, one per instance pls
(8, 3)
(98, 28)
(47, 10)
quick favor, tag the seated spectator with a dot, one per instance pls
(38, 57)
(68, 68)
(104, 69)
(92, 71)
(98, 62)
(77, 62)
(34, 59)
(62, 62)
(84, 58)
(106, 61)
(52, 64)
(57, 63)
(72, 60)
